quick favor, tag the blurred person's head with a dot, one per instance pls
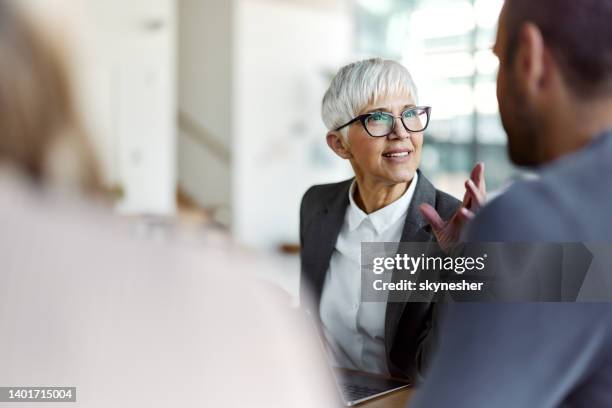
(554, 85)
(41, 134)
(371, 113)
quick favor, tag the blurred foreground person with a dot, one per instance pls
(83, 305)
(555, 98)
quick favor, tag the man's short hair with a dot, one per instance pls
(578, 32)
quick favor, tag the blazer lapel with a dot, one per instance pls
(325, 230)
(416, 229)
(415, 222)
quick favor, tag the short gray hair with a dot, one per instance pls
(361, 83)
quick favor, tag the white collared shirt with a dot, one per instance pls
(355, 331)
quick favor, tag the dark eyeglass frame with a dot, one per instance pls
(363, 119)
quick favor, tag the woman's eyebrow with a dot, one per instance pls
(383, 109)
(378, 110)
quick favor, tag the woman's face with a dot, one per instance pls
(388, 160)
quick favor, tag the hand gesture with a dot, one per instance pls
(449, 232)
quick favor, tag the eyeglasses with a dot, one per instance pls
(381, 124)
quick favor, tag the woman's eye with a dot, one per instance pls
(379, 117)
(409, 114)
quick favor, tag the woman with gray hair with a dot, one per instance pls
(375, 123)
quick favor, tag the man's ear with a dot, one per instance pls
(336, 142)
(533, 61)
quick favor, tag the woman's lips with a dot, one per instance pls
(398, 156)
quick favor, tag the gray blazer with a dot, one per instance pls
(525, 354)
(409, 327)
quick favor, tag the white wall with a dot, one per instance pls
(284, 53)
(125, 54)
(251, 77)
(205, 81)
(131, 83)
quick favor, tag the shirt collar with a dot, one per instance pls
(386, 216)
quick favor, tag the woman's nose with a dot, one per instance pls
(399, 131)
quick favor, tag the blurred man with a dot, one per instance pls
(83, 305)
(555, 99)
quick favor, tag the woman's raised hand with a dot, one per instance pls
(449, 232)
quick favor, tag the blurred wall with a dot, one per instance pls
(206, 33)
(285, 55)
(134, 88)
(124, 57)
(252, 74)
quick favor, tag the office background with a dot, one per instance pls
(209, 110)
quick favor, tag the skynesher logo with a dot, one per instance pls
(412, 264)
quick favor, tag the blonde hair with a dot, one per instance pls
(39, 123)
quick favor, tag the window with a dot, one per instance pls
(446, 45)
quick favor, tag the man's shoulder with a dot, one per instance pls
(527, 211)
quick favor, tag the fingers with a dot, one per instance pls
(438, 225)
(432, 216)
(461, 217)
(476, 190)
(477, 197)
(478, 177)
(451, 233)
(446, 233)
(467, 198)
(477, 171)
(466, 215)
